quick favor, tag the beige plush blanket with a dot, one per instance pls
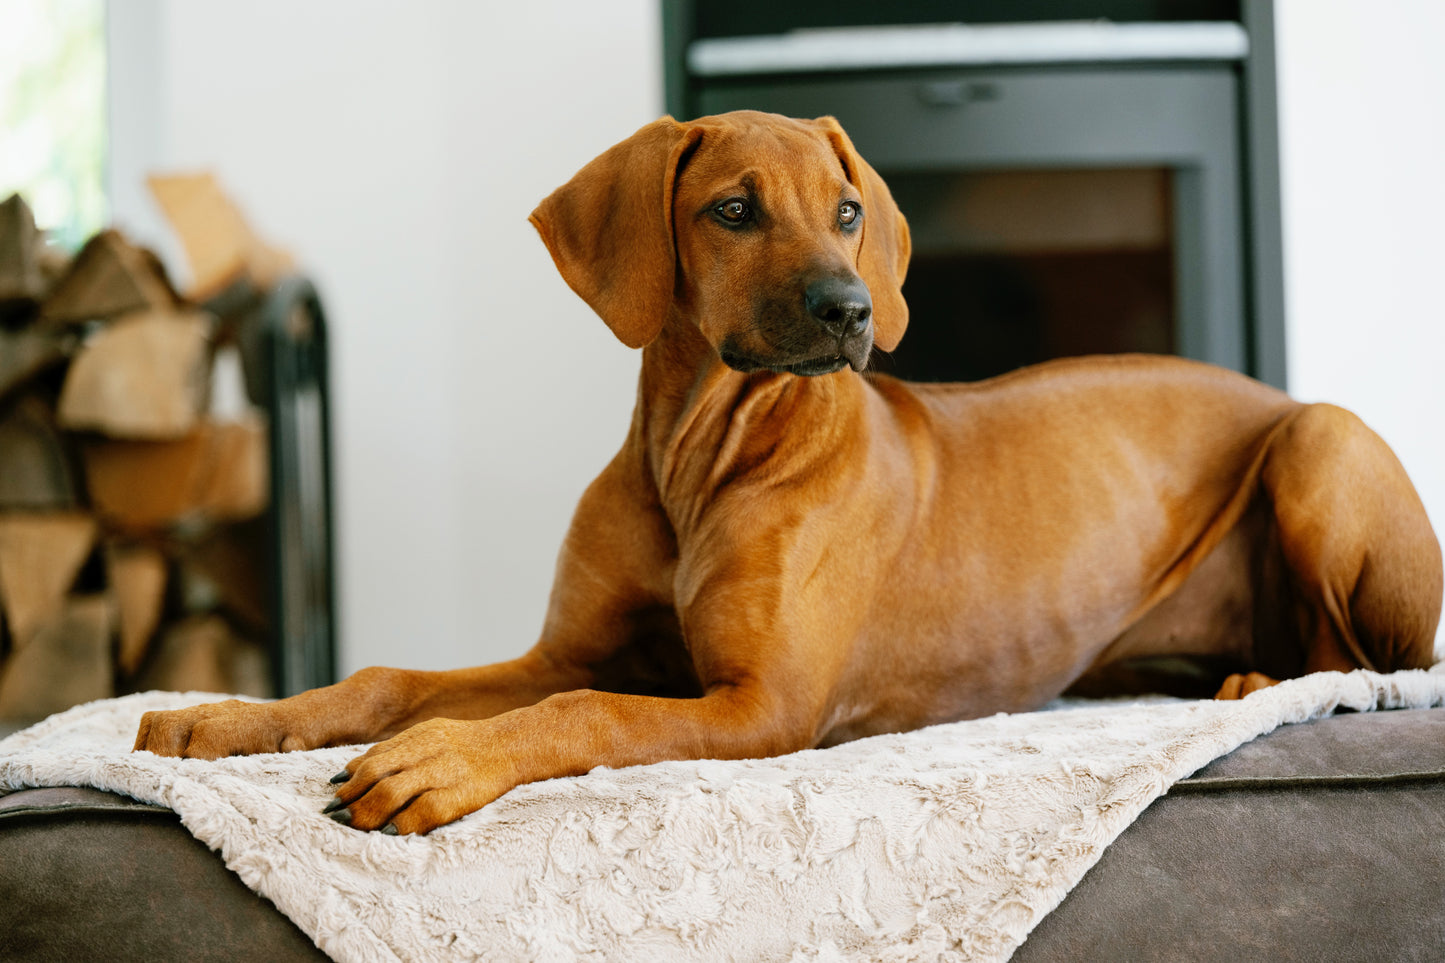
(946, 843)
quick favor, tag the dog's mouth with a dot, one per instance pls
(818, 366)
(846, 355)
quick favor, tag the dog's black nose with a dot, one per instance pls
(842, 306)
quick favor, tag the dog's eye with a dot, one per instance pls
(734, 211)
(848, 212)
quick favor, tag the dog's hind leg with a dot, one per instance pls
(1362, 566)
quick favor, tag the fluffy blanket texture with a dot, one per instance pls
(946, 843)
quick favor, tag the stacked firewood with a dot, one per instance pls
(132, 498)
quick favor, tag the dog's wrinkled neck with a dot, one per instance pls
(697, 418)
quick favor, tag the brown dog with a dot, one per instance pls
(788, 554)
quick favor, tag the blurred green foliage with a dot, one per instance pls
(53, 112)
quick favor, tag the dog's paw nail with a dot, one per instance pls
(334, 805)
(342, 816)
(341, 776)
(389, 829)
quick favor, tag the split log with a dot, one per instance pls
(68, 662)
(137, 576)
(109, 277)
(21, 278)
(143, 376)
(220, 246)
(40, 555)
(225, 569)
(202, 654)
(27, 354)
(218, 472)
(36, 472)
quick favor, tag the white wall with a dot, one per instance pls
(399, 148)
(1362, 131)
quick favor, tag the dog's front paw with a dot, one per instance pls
(217, 729)
(432, 774)
(1239, 685)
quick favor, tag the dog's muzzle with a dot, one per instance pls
(832, 331)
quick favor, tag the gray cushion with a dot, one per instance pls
(88, 875)
(1320, 841)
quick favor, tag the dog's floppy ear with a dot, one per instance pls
(883, 261)
(609, 229)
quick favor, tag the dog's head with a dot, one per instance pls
(771, 234)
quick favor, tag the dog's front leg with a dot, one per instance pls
(440, 770)
(375, 703)
(766, 678)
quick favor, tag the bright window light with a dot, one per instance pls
(52, 113)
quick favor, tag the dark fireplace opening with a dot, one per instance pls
(1014, 267)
